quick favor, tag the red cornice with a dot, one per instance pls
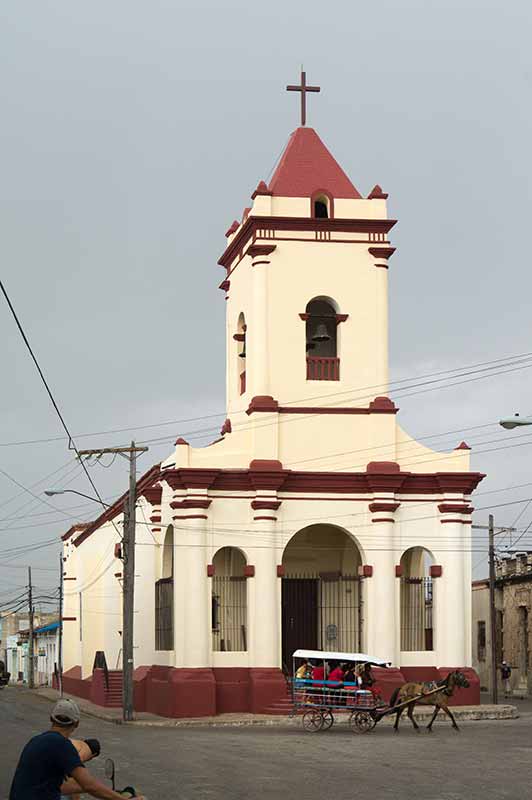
(253, 224)
(234, 227)
(262, 403)
(378, 478)
(147, 480)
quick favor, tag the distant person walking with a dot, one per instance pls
(506, 674)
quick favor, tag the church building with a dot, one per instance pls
(314, 521)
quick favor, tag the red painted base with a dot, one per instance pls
(170, 692)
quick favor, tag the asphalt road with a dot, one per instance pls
(486, 760)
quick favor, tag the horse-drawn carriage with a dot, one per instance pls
(318, 694)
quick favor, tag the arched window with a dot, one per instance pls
(323, 363)
(164, 596)
(240, 338)
(229, 601)
(417, 623)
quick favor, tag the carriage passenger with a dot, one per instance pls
(336, 682)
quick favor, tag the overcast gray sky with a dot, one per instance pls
(134, 132)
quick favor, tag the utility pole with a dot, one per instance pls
(493, 612)
(31, 681)
(128, 582)
(60, 644)
(492, 533)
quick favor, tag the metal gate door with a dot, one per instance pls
(321, 612)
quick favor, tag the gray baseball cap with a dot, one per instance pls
(65, 712)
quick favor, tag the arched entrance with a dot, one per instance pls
(321, 592)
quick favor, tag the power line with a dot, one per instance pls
(512, 359)
(71, 443)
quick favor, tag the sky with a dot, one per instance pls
(133, 133)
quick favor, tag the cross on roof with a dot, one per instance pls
(303, 88)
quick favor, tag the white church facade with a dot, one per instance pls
(314, 521)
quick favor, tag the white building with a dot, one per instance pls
(315, 520)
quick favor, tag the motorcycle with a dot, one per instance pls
(110, 774)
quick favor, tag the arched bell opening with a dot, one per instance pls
(241, 354)
(321, 340)
(164, 596)
(229, 611)
(321, 591)
(322, 205)
(417, 606)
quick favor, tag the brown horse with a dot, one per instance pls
(438, 699)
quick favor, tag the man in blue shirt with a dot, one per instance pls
(50, 764)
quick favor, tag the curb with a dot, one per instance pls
(468, 714)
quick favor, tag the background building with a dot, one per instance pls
(513, 603)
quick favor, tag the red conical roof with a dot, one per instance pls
(306, 166)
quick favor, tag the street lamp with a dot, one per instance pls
(515, 422)
(53, 492)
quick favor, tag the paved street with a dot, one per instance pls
(486, 759)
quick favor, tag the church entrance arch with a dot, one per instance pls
(321, 592)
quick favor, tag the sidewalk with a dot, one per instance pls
(143, 719)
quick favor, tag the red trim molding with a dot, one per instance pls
(377, 193)
(155, 518)
(262, 403)
(191, 516)
(399, 569)
(365, 571)
(265, 403)
(190, 502)
(261, 189)
(463, 446)
(455, 508)
(436, 571)
(382, 252)
(249, 571)
(281, 570)
(70, 579)
(234, 227)
(265, 505)
(68, 619)
(382, 519)
(382, 506)
(252, 225)
(271, 519)
(153, 494)
(255, 250)
(211, 570)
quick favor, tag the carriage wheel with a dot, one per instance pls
(313, 721)
(361, 722)
(328, 720)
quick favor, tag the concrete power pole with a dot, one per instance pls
(128, 582)
(493, 612)
(31, 679)
(60, 644)
(128, 589)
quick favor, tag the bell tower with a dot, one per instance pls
(306, 286)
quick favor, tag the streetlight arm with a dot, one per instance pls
(52, 492)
